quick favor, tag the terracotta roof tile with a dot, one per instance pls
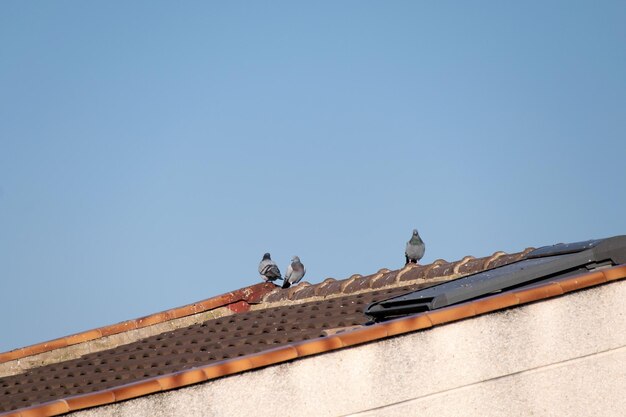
(385, 280)
(412, 272)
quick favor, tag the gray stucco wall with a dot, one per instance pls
(560, 357)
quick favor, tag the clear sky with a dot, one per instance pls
(151, 152)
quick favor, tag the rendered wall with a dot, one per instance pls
(560, 357)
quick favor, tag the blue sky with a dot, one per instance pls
(151, 152)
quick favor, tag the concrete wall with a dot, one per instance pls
(561, 357)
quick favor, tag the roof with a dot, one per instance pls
(264, 326)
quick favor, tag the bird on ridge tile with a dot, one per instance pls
(415, 248)
(295, 272)
(268, 269)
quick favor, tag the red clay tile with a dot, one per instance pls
(305, 292)
(449, 314)
(612, 274)
(366, 334)
(90, 400)
(408, 324)
(460, 263)
(346, 283)
(255, 293)
(183, 311)
(316, 346)
(358, 284)
(319, 287)
(83, 337)
(44, 410)
(229, 367)
(40, 348)
(472, 266)
(11, 414)
(276, 296)
(413, 272)
(269, 357)
(239, 306)
(136, 389)
(491, 260)
(152, 319)
(292, 291)
(539, 292)
(215, 302)
(441, 270)
(582, 281)
(11, 355)
(496, 302)
(53, 344)
(502, 260)
(385, 280)
(181, 379)
(332, 288)
(118, 328)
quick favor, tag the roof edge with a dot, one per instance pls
(238, 301)
(420, 321)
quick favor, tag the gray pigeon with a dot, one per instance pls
(268, 269)
(415, 248)
(295, 272)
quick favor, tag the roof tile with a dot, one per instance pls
(303, 292)
(442, 269)
(269, 357)
(319, 287)
(357, 284)
(472, 266)
(48, 409)
(84, 336)
(90, 400)
(313, 347)
(230, 367)
(136, 389)
(334, 287)
(118, 328)
(493, 259)
(412, 272)
(276, 296)
(408, 324)
(385, 280)
(614, 273)
(582, 281)
(539, 292)
(181, 379)
(495, 302)
(449, 314)
(362, 335)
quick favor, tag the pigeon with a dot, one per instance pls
(414, 248)
(268, 269)
(295, 272)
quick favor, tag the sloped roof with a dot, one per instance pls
(284, 325)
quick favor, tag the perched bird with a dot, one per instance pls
(415, 248)
(268, 269)
(295, 272)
